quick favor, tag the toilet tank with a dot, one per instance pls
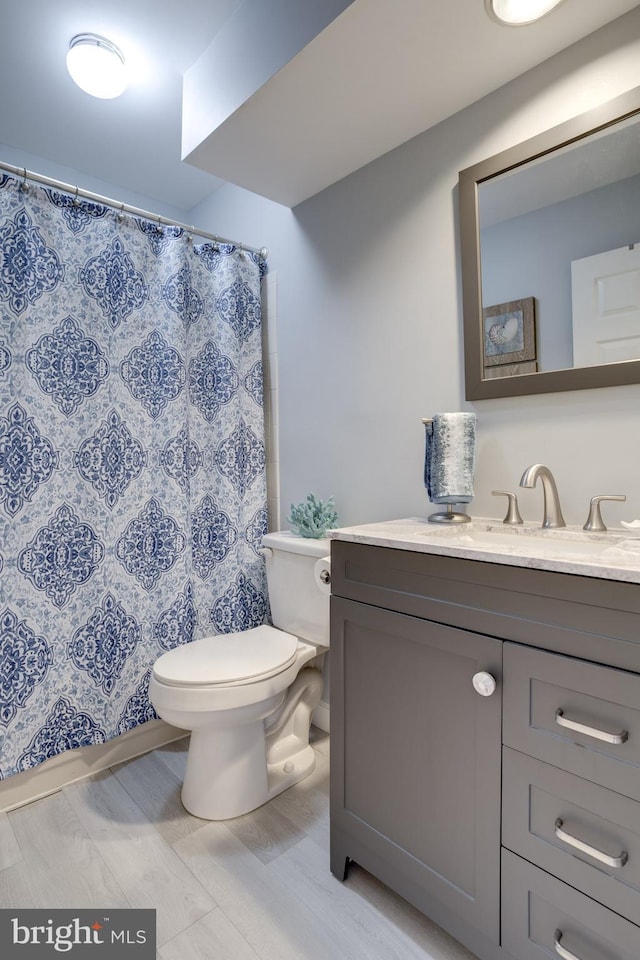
(299, 602)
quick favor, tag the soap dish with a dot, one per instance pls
(630, 524)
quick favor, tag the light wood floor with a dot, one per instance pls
(254, 888)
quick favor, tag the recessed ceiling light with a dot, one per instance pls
(519, 12)
(97, 66)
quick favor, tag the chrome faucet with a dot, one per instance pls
(552, 512)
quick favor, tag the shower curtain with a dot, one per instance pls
(132, 461)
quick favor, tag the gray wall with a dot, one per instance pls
(370, 316)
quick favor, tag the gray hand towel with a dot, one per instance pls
(450, 457)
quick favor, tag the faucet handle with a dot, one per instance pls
(594, 520)
(513, 514)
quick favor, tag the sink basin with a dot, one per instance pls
(560, 543)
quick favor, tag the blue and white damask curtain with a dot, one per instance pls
(132, 463)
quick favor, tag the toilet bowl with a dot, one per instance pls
(248, 697)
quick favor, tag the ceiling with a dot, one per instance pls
(382, 72)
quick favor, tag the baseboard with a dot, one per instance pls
(73, 765)
(321, 716)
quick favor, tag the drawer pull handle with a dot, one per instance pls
(563, 721)
(562, 951)
(589, 850)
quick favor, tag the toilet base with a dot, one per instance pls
(234, 769)
(295, 768)
(247, 784)
(226, 773)
(290, 758)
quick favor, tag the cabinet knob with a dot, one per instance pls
(484, 683)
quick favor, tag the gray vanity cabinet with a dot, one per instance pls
(513, 819)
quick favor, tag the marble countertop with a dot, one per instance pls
(614, 555)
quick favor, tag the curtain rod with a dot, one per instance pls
(125, 207)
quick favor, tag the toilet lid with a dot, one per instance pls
(229, 658)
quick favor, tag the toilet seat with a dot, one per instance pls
(227, 660)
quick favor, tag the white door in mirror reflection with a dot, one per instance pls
(605, 291)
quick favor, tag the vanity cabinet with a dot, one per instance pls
(511, 819)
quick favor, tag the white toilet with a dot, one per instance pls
(245, 696)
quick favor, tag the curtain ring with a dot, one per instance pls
(190, 235)
(24, 186)
(121, 213)
(76, 201)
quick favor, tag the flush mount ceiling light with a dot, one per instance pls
(519, 12)
(97, 66)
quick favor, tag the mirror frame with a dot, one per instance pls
(581, 378)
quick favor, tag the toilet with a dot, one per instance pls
(247, 697)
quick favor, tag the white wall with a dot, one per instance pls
(370, 316)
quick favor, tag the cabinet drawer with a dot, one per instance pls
(548, 817)
(543, 917)
(579, 716)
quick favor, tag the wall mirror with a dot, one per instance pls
(550, 246)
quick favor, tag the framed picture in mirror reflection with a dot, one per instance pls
(509, 338)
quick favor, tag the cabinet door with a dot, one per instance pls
(415, 765)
